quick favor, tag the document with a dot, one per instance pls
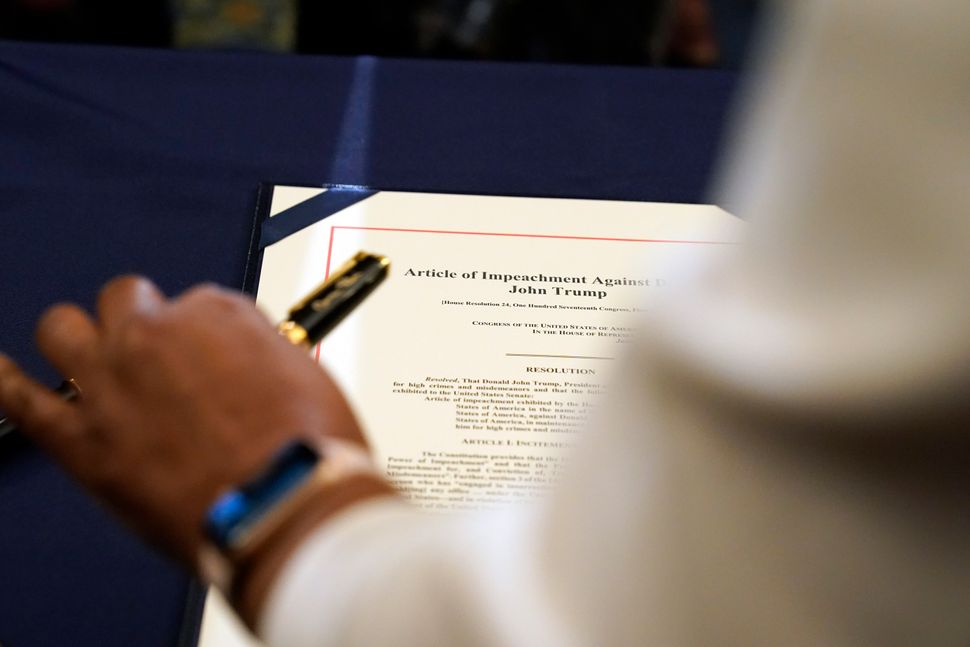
(474, 366)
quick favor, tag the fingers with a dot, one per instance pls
(212, 305)
(38, 410)
(68, 339)
(125, 297)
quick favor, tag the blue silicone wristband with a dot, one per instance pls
(236, 512)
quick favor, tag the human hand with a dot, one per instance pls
(180, 399)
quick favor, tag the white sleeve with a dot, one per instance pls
(785, 461)
(384, 573)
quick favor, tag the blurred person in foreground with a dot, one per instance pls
(786, 460)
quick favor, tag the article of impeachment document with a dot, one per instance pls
(474, 366)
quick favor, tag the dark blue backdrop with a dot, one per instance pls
(116, 161)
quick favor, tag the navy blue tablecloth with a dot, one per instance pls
(115, 161)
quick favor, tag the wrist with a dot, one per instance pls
(252, 529)
(255, 582)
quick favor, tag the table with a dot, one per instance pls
(124, 160)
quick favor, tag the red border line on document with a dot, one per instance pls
(514, 235)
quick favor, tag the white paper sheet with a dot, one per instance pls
(473, 367)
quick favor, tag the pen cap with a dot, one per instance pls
(326, 306)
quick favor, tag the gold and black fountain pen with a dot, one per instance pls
(308, 321)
